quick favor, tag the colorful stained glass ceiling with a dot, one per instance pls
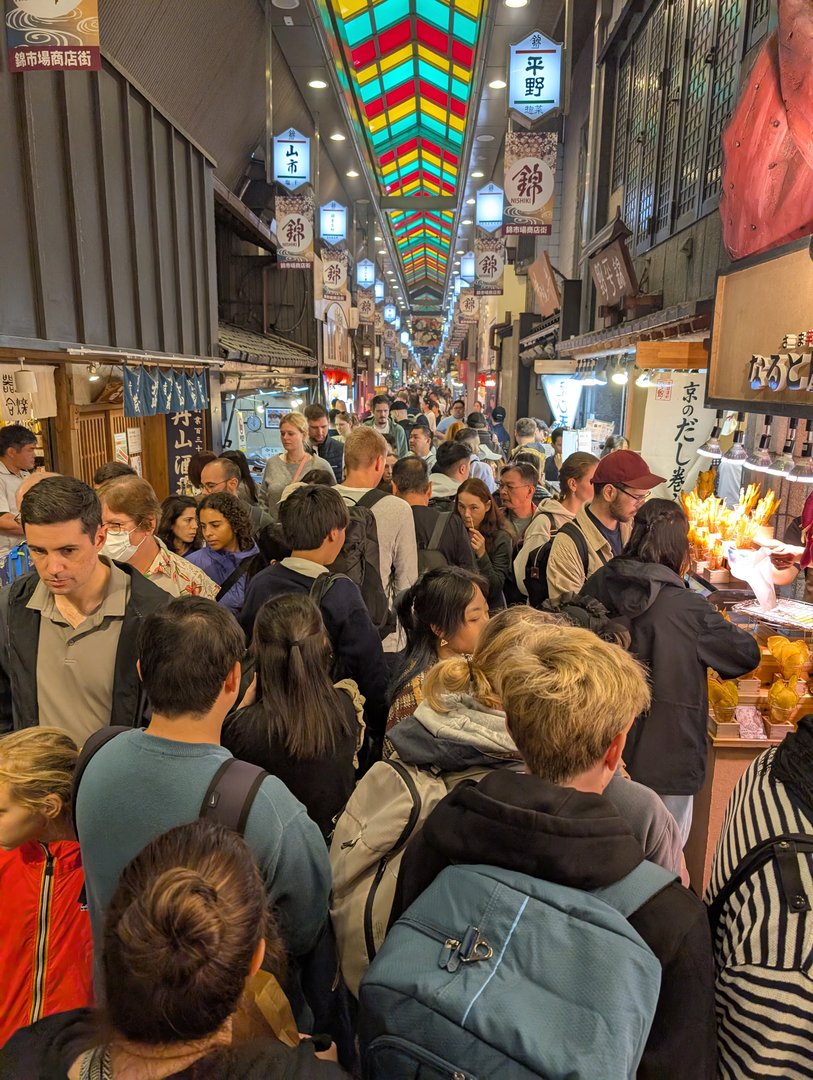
(411, 64)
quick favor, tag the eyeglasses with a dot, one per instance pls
(638, 499)
(209, 486)
(511, 487)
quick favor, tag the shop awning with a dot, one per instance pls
(680, 321)
(250, 347)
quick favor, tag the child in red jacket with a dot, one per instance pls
(45, 940)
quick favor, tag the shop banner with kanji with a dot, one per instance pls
(334, 273)
(366, 307)
(52, 35)
(150, 393)
(294, 215)
(675, 425)
(185, 437)
(468, 307)
(489, 262)
(530, 173)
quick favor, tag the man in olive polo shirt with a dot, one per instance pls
(68, 629)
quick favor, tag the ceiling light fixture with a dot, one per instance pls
(761, 459)
(477, 174)
(470, 202)
(352, 174)
(737, 451)
(317, 84)
(497, 84)
(515, 3)
(338, 136)
(711, 447)
(93, 374)
(783, 464)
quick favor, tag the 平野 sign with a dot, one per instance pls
(535, 76)
(292, 158)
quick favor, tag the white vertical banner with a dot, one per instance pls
(676, 423)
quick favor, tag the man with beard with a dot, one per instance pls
(621, 484)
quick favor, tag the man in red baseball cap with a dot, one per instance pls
(599, 531)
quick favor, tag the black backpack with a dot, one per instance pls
(360, 560)
(228, 798)
(536, 568)
(430, 557)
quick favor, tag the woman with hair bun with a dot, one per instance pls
(442, 614)
(301, 728)
(45, 945)
(185, 930)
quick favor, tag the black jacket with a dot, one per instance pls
(322, 784)
(356, 643)
(333, 453)
(677, 634)
(518, 822)
(20, 627)
(47, 1050)
(454, 545)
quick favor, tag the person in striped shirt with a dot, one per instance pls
(761, 895)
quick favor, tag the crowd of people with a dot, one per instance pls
(382, 764)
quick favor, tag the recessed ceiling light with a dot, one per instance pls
(337, 136)
(467, 221)
(352, 173)
(477, 174)
(486, 138)
(470, 202)
(317, 84)
(378, 239)
(460, 251)
(497, 84)
(515, 3)
(383, 252)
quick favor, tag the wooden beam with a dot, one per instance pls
(67, 442)
(683, 355)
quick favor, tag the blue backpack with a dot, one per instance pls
(496, 975)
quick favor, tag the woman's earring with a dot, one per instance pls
(443, 642)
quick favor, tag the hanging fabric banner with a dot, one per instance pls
(468, 307)
(53, 35)
(203, 390)
(178, 391)
(166, 385)
(489, 257)
(366, 307)
(191, 384)
(294, 231)
(149, 395)
(133, 379)
(530, 171)
(334, 273)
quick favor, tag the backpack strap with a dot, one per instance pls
(785, 849)
(636, 889)
(242, 568)
(92, 744)
(371, 497)
(229, 796)
(438, 531)
(322, 584)
(571, 529)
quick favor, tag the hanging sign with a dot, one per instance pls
(543, 283)
(48, 35)
(333, 222)
(294, 231)
(468, 307)
(389, 336)
(530, 170)
(334, 273)
(489, 207)
(292, 159)
(535, 76)
(489, 255)
(379, 321)
(366, 307)
(185, 437)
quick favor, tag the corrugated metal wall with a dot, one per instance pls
(107, 222)
(203, 61)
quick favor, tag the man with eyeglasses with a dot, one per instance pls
(621, 484)
(222, 474)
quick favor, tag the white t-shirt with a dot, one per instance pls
(9, 484)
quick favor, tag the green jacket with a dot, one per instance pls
(397, 432)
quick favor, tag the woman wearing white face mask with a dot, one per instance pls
(130, 514)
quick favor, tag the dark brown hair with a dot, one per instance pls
(294, 681)
(233, 511)
(660, 534)
(180, 935)
(197, 463)
(490, 524)
(171, 509)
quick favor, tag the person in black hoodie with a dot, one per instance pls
(569, 700)
(186, 930)
(677, 634)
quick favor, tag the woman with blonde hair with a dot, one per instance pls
(291, 465)
(130, 516)
(45, 944)
(185, 930)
